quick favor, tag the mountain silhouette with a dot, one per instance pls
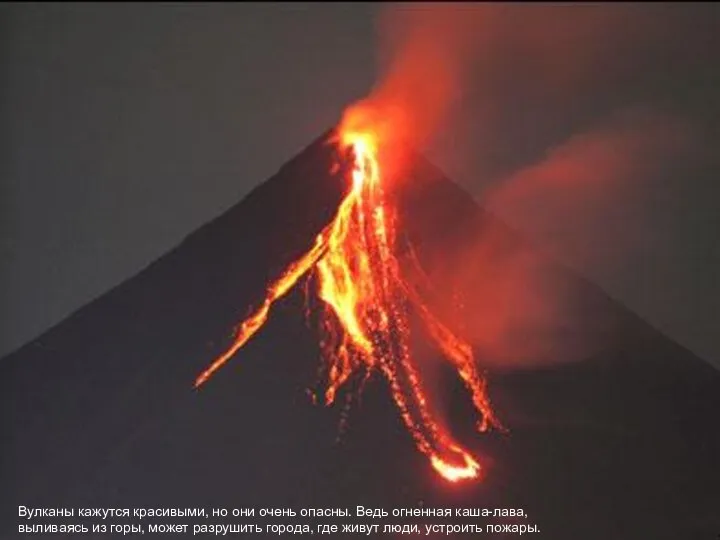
(100, 411)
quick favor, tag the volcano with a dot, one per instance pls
(100, 411)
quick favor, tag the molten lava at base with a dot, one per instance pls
(367, 305)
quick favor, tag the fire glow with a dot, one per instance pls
(367, 304)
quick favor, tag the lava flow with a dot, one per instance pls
(367, 305)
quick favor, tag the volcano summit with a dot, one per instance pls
(100, 411)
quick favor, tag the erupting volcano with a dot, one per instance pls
(98, 412)
(368, 302)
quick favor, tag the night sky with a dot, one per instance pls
(126, 127)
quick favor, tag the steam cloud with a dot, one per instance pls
(534, 73)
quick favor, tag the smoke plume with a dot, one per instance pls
(530, 97)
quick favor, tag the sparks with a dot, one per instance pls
(366, 305)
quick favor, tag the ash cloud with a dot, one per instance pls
(564, 112)
(586, 196)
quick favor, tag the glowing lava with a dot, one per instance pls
(367, 306)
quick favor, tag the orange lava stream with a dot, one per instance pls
(367, 305)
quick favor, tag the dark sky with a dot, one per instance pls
(128, 126)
